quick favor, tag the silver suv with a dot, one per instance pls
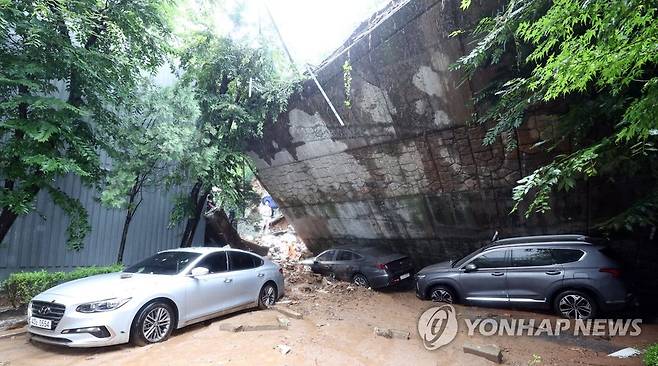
(568, 273)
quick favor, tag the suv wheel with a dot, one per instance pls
(575, 305)
(154, 324)
(442, 294)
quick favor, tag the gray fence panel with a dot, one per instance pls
(38, 240)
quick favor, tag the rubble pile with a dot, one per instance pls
(284, 246)
(305, 283)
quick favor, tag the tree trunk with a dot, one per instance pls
(124, 236)
(219, 223)
(7, 219)
(193, 221)
(130, 212)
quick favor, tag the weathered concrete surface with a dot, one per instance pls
(406, 171)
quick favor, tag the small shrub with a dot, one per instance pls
(21, 287)
(651, 355)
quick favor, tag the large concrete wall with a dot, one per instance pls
(406, 171)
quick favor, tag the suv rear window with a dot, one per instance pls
(566, 255)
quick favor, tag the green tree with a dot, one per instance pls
(144, 146)
(238, 89)
(61, 64)
(597, 58)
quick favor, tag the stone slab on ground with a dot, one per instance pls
(288, 312)
(490, 352)
(230, 327)
(260, 327)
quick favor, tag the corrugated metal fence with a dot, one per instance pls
(38, 240)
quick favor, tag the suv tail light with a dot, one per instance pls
(616, 273)
(382, 266)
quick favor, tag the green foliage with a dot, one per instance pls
(238, 89)
(535, 360)
(21, 287)
(598, 59)
(146, 143)
(62, 63)
(651, 355)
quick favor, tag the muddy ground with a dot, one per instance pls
(337, 329)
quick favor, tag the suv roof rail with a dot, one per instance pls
(544, 238)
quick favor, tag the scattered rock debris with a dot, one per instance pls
(284, 349)
(283, 322)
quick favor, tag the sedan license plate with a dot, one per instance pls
(406, 275)
(41, 323)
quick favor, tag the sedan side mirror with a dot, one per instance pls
(199, 271)
(470, 268)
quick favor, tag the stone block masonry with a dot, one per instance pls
(407, 171)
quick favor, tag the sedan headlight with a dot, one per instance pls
(103, 305)
(420, 276)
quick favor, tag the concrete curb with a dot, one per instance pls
(490, 352)
(287, 312)
(13, 334)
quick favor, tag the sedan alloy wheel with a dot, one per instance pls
(267, 297)
(156, 325)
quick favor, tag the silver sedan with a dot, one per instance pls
(147, 301)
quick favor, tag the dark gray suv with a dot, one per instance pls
(566, 272)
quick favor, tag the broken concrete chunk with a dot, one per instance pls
(626, 352)
(228, 327)
(283, 349)
(283, 322)
(392, 333)
(400, 334)
(288, 312)
(490, 352)
(383, 332)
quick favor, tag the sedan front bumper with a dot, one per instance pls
(116, 324)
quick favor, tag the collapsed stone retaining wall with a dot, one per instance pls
(406, 170)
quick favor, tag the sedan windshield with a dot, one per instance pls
(165, 263)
